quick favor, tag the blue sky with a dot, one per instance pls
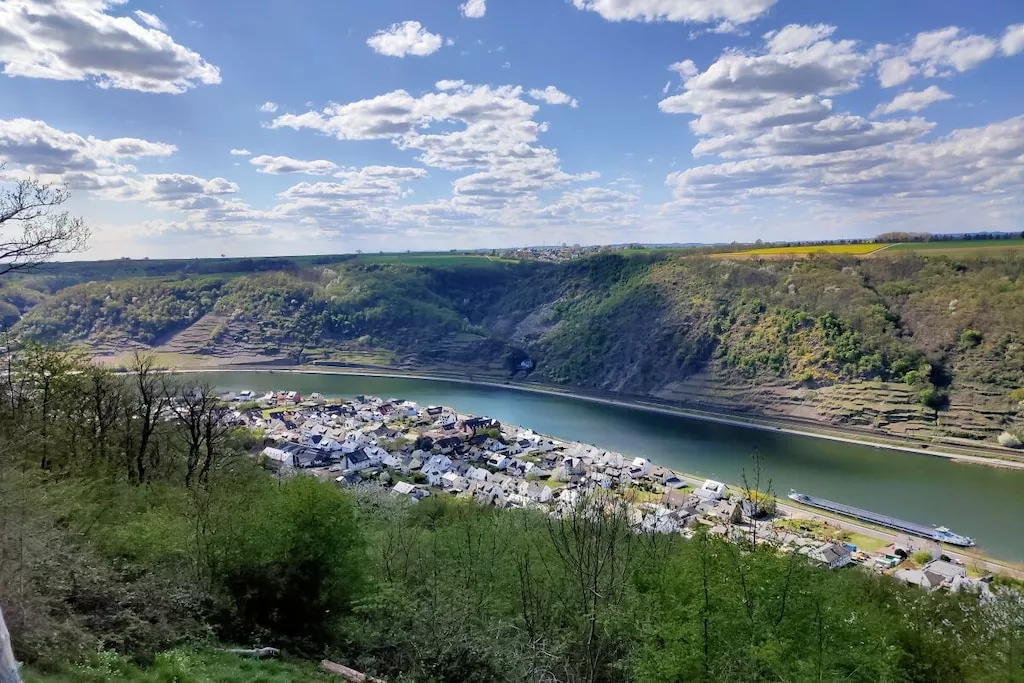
(190, 129)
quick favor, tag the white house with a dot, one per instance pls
(639, 467)
(499, 461)
(448, 421)
(832, 555)
(438, 464)
(453, 482)
(538, 491)
(478, 474)
(711, 490)
(276, 459)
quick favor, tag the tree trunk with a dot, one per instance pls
(8, 667)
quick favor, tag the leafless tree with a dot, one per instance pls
(33, 228)
(202, 417)
(143, 411)
(595, 545)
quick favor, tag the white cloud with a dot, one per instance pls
(685, 69)
(553, 95)
(76, 40)
(937, 51)
(895, 71)
(942, 53)
(474, 9)
(1013, 40)
(498, 138)
(797, 37)
(151, 20)
(790, 82)
(268, 107)
(449, 85)
(970, 164)
(240, 152)
(408, 38)
(87, 163)
(282, 165)
(770, 117)
(913, 101)
(695, 11)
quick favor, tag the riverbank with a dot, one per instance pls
(757, 423)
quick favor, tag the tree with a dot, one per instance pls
(33, 229)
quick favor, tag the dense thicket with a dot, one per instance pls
(107, 544)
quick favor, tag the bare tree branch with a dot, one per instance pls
(33, 229)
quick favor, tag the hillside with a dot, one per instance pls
(909, 343)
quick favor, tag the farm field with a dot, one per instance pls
(961, 247)
(807, 250)
(433, 259)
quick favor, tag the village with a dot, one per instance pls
(420, 451)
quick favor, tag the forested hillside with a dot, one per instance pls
(910, 344)
(134, 546)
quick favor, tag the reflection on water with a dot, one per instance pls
(984, 503)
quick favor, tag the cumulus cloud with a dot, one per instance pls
(553, 95)
(240, 152)
(77, 40)
(895, 71)
(790, 81)
(488, 131)
(87, 163)
(938, 51)
(967, 164)
(474, 9)
(770, 117)
(1013, 40)
(695, 11)
(282, 165)
(268, 107)
(407, 38)
(151, 20)
(943, 52)
(913, 101)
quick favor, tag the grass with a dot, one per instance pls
(182, 666)
(960, 246)
(434, 259)
(806, 250)
(865, 543)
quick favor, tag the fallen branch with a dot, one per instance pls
(348, 674)
(258, 653)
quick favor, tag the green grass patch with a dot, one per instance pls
(182, 666)
(959, 245)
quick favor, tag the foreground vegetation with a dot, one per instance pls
(129, 540)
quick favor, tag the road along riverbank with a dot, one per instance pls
(982, 502)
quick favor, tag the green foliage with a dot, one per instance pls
(934, 398)
(181, 666)
(969, 339)
(921, 557)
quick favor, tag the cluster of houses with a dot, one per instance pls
(419, 451)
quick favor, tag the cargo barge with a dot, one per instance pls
(940, 534)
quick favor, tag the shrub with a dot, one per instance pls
(970, 339)
(934, 398)
(1009, 440)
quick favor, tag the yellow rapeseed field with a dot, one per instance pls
(854, 249)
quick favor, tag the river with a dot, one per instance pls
(982, 502)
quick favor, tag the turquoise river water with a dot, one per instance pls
(982, 502)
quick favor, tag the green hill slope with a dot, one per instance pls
(911, 344)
